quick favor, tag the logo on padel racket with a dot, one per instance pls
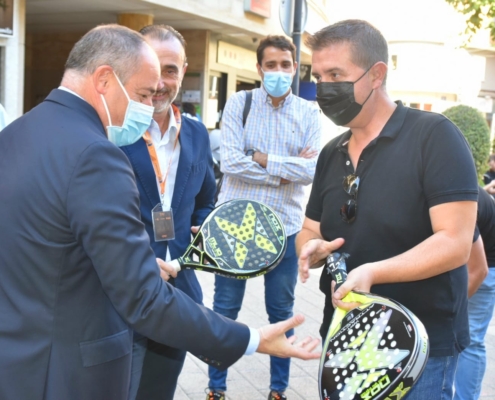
(239, 236)
(361, 357)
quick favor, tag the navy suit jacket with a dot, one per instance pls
(192, 200)
(77, 272)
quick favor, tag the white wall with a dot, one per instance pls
(489, 81)
(421, 20)
(436, 71)
(426, 36)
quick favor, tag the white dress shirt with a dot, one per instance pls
(164, 147)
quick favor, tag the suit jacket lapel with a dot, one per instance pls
(184, 167)
(140, 159)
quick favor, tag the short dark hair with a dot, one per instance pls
(162, 33)
(278, 41)
(368, 46)
(113, 45)
(491, 158)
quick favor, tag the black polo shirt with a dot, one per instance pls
(418, 161)
(486, 224)
(488, 176)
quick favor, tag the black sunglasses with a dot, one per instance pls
(351, 186)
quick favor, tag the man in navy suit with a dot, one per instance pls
(186, 169)
(77, 271)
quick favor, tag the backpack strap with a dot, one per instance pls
(247, 106)
(245, 113)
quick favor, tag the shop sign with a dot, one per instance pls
(258, 7)
(235, 56)
(191, 96)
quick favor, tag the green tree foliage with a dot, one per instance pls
(477, 13)
(473, 126)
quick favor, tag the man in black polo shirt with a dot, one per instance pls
(472, 361)
(397, 192)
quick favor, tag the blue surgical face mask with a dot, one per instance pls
(277, 83)
(137, 119)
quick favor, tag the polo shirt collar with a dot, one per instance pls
(394, 124)
(390, 130)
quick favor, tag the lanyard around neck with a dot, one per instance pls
(162, 179)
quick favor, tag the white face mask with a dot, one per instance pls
(137, 119)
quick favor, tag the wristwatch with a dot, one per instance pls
(250, 152)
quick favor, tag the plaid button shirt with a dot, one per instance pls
(281, 132)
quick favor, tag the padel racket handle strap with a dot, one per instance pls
(351, 297)
(175, 264)
(335, 264)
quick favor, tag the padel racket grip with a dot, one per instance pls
(335, 264)
(175, 264)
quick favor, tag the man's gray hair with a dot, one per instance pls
(162, 33)
(113, 45)
(368, 46)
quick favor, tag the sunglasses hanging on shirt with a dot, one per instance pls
(351, 186)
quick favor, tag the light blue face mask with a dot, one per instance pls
(137, 119)
(277, 83)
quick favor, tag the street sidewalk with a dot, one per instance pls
(249, 378)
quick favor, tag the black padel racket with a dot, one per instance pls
(376, 351)
(238, 239)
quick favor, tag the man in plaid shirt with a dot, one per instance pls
(269, 159)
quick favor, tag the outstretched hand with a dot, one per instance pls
(313, 252)
(274, 342)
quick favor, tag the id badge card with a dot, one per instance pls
(163, 223)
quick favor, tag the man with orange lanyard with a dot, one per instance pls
(174, 175)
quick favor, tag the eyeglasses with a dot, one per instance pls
(351, 186)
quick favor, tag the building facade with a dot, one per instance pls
(432, 66)
(221, 36)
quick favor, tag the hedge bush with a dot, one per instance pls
(475, 129)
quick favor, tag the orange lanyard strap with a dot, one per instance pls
(162, 180)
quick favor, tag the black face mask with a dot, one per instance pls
(336, 100)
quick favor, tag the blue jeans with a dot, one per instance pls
(437, 380)
(279, 302)
(472, 361)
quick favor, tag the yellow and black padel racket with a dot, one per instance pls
(376, 351)
(239, 239)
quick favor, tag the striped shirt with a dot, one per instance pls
(281, 132)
